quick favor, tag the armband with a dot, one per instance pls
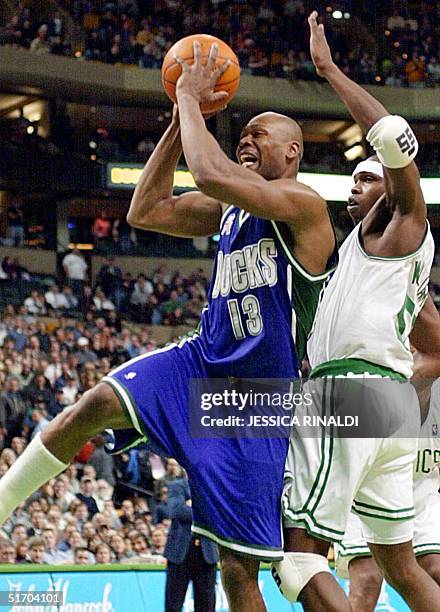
(394, 141)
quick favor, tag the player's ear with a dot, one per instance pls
(294, 150)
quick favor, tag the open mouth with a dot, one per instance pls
(248, 159)
(352, 204)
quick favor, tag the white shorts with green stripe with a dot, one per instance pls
(426, 539)
(327, 474)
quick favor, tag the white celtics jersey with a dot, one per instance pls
(369, 306)
(426, 467)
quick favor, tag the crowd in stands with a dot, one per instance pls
(397, 47)
(101, 509)
(165, 299)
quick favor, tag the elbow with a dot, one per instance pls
(207, 181)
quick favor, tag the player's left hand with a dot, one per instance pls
(319, 49)
(199, 80)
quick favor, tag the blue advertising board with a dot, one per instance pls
(141, 591)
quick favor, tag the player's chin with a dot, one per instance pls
(354, 214)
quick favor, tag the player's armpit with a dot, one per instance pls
(284, 200)
(188, 215)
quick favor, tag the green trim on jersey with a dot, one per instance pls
(401, 258)
(343, 367)
(304, 292)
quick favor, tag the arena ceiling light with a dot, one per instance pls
(337, 15)
(332, 187)
(354, 152)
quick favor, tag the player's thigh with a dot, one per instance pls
(385, 498)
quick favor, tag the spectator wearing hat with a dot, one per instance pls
(84, 353)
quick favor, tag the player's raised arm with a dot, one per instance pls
(153, 206)
(390, 135)
(263, 191)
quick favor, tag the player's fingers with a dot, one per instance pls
(182, 63)
(197, 53)
(216, 96)
(221, 69)
(213, 52)
(312, 19)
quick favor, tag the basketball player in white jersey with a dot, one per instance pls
(361, 331)
(353, 557)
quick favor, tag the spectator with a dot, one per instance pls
(40, 44)
(40, 421)
(102, 303)
(84, 354)
(189, 557)
(162, 510)
(52, 555)
(37, 549)
(13, 410)
(16, 225)
(35, 304)
(55, 300)
(8, 553)
(81, 556)
(101, 230)
(103, 553)
(102, 461)
(415, 71)
(75, 269)
(86, 495)
(158, 541)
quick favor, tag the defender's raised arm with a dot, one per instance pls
(390, 135)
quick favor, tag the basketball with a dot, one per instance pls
(228, 81)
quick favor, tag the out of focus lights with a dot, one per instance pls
(347, 15)
(354, 152)
(30, 129)
(92, 144)
(337, 15)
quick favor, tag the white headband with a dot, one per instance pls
(369, 165)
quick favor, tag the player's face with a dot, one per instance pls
(261, 149)
(367, 189)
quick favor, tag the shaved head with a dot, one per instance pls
(289, 128)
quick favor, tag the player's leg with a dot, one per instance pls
(321, 591)
(402, 571)
(240, 581)
(431, 564)
(49, 454)
(365, 584)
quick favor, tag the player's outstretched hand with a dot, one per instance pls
(199, 80)
(319, 49)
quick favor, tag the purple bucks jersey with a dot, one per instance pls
(261, 301)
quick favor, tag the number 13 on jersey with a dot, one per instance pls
(247, 311)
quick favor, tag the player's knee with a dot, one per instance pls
(238, 573)
(401, 575)
(97, 409)
(365, 588)
(297, 569)
(431, 564)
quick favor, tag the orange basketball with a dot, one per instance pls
(228, 81)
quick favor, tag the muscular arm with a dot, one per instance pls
(402, 184)
(425, 335)
(153, 206)
(220, 178)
